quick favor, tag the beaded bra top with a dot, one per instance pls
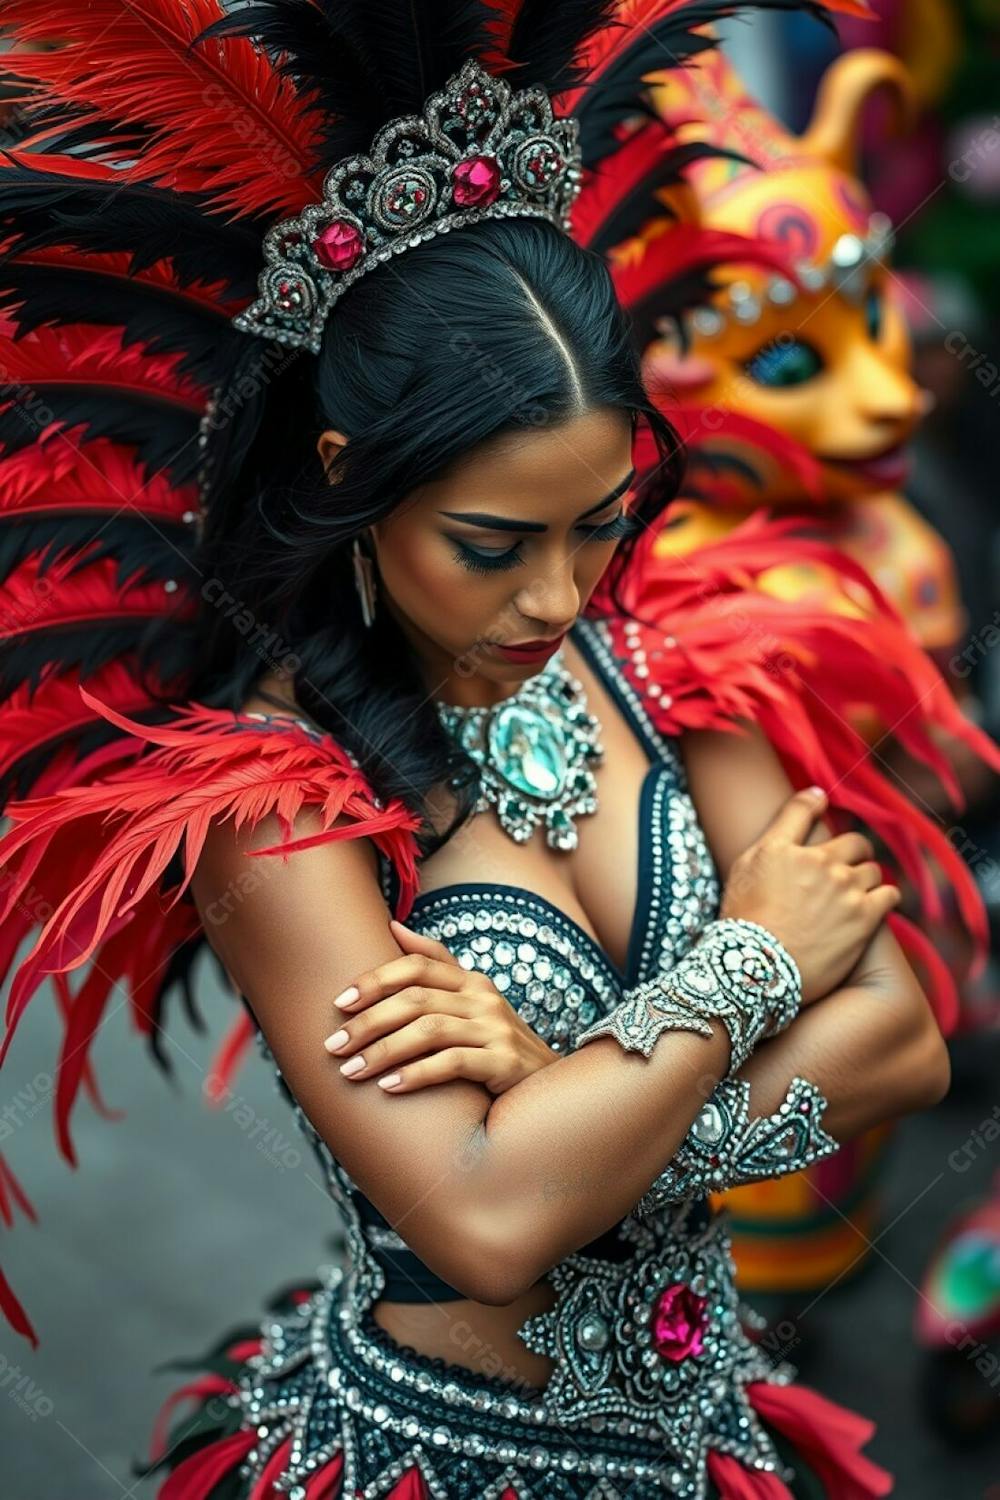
(555, 974)
(647, 1334)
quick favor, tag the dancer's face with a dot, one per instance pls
(506, 547)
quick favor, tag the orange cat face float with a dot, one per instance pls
(820, 354)
(788, 372)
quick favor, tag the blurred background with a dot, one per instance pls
(184, 1217)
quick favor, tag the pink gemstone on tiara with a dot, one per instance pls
(476, 181)
(339, 246)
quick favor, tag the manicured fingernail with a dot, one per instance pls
(339, 1039)
(352, 1065)
(389, 1081)
(817, 791)
(348, 996)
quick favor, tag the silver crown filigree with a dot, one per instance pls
(480, 150)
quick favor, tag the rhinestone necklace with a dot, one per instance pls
(535, 750)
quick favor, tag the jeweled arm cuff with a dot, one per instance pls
(725, 1147)
(737, 973)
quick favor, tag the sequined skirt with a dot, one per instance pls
(314, 1403)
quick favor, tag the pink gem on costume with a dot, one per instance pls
(339, 246)
(476, 181)
(678, 1322)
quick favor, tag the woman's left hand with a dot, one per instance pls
(443, 1021)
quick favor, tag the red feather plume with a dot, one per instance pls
(37, 602)
(66, 473)
(684, 248)
(215, 118)
(609, 184)
(89, 354)
(723, 650)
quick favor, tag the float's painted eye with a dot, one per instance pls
(784, 364)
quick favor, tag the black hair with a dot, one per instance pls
(499, 326)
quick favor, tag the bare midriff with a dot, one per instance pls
(478, 1335)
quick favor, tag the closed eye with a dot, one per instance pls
(479, 561)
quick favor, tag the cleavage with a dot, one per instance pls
(596, 884)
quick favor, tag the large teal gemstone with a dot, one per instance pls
(528, 751)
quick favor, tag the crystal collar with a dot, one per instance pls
(535, 751)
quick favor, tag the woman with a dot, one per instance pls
(537, 1299)
(512, 1168)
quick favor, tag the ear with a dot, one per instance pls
(328, 445)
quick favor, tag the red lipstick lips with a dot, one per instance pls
(528, 651)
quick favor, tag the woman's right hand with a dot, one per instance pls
(823, 901)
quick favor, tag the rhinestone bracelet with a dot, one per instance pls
(725, 1147)
(737, 973)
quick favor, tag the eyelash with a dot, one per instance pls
(623, 524)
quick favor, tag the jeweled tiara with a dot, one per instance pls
(480, 150)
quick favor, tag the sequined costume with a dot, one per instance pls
(655, 1382)
(646, 1331)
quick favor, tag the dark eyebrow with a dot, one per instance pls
(504, 523)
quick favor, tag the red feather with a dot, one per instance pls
(226, 1062)
(38, 602)
(721, 650)
(222, 119)
(89, 354)
(63, 166)
(99, 475)
(127, 827)
(640, 270)
(704, 429)
(56, 712)
(12, 1192)
(605, 188)
(64, 995)
(496, 59)
(83, 863)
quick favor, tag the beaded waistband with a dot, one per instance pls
(650, 1368)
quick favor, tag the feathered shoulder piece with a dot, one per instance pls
(98, 867)
(708, 649)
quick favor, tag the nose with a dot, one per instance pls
(884, 393)
(550, 600)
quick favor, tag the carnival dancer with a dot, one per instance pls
(330, 585)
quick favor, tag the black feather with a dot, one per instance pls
(548, 34)
(28, 656)
(367, 63)
(641, 204)
(145, 547)
(39, 209)
(164, 434)
(165, 322)
(671, 43)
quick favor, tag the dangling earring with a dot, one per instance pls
(364, 582)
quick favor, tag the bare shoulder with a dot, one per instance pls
(744, 747)
(737, 784)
